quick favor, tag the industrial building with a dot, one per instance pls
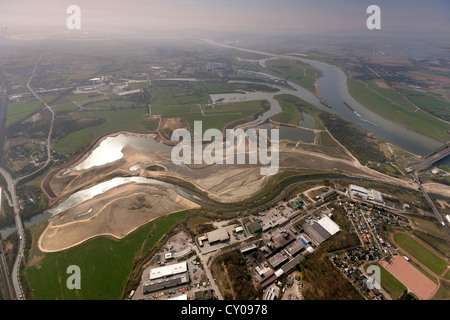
(248, 248)
(321, 229)
(166, 277)
(255, 227)
(219, 235)
(274, 242)
(366, 194)
(277, 260)
(327, 194)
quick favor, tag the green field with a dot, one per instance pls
(390, 283)
(291, 113)
(300, 73)
(419, 121)
(65, 107)
(216, 117)
(18, 111)
(443, 292)
(293, 108)
(438, 107)
(115, 120)
(418, 251)
(104, 264)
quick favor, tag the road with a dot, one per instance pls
(432, 159)
(12, 190)
(9, 292)
(433, 207)
(20, 230)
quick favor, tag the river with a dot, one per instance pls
(334, 90)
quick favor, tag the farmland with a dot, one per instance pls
(398, 111)
(101, 260)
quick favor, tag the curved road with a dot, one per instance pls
(12, 189)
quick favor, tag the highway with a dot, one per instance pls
(4, 275)
(433, 207)
(12, 190)
(432, 159)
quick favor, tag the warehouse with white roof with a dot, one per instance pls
(167, 276)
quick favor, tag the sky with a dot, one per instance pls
(300, 16)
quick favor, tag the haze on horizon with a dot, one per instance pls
(135, 17)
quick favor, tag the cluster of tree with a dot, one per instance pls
(32, 130)
(142, 97)
(354, 138)
(241, 280)
(63, 127)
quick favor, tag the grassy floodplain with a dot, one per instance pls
(418, 251)
(300, 73)
(293, 108)
(398, 111)
(104, 264)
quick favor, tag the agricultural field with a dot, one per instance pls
(389, 106)
(18, 111)
(111, 121)
(104, 263)
(434, 105)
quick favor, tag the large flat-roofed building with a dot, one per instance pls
(166, 271)
(316, 231)
(328, 225)
(295, 248)
(320, 230)
(220, 235)
(277, 260)
(255, 227)
(327, 194)
(166, 277)
(366, 194)
(274, 242)
(358, 191)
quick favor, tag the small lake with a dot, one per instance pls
(296, 134)
(308, 121)
(110, 150)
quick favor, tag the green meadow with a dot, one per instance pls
(390, 283)
(400, 113)
(104, 264)
(18, 111)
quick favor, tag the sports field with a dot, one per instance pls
(419, 252)
(390, 283)
(412, 278)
